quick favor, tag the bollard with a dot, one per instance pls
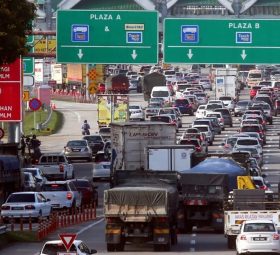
(12, 224)
(21, 223)
(30, 222)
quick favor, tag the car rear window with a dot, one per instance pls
(242, 103)
(81, 184)
(21, 198)
(54, 187)
(247, 142)
(77, 143)
(165, 119)
(259, 227)
(223, 111)
(202, 129)
(192, 142)
(250, 129)
(181, 101)
(54, 249)
(94, 139)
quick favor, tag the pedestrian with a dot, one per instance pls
(85, 128)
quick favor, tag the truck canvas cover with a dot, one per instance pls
(213, 186)
(220, 166)
(143, 194)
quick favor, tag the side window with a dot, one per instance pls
(41, 198)
(43, 160)
(72, 186)
(83, 248)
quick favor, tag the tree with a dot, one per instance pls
(16, 19)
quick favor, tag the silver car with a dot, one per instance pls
(78, 149)
(25, 204)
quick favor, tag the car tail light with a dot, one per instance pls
(161, 219)
(69, 195)
(5, 207)
(243, 237)
(275, 237)
(61, 168)
(198, 148)
(29, 207)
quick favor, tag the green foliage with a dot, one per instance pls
(16, 17)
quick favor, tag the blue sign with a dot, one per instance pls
(80, 33)
(190, 34)
(243, 37)
(134, 37)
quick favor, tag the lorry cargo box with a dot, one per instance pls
(168, 157)
(129, 139)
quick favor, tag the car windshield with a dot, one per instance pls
(54, 187)
(21, 198)
(76, 143)
(54, 249)
(259, 227)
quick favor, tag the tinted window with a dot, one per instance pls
(223, 111)
(21, 198)
(54, 187)
(242, 103)
(259, 227)
(77, 143)
(53, 249)
(192, 142)
(160, 118)
(94, 139)
(247, 142)
(202, 129)
(160, 93)
(250, 129)
(181, 101)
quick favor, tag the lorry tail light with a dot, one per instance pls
(110, 220)
(162, 219)
(69, 195)
(243, 237)
(29, 207)
(275, 237)
(198, 148)
(61, 168)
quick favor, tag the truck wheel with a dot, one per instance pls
(110, 247)
(231, 242)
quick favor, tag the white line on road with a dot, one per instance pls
(192, 249)
(78, 116)
(194, 235)
(193, 242)
(89, 226)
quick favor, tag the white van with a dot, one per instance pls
(163, 92)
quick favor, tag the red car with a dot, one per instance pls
(89, 192)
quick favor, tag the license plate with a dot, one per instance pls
(259, 238)
(76, 150)
(17, 208)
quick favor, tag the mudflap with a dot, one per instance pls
(113, 234)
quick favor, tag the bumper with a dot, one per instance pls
(20, 214)
(245, 247)
(61, 206)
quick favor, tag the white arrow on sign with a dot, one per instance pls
(190, 55)
(134, 54)
(243, 55)
(80, 54)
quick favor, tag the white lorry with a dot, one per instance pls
(168, 157)
(226, 83)
(249, 205)
(55, 166)
(129, 139)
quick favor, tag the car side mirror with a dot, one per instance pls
(48, 200)
(92, 251)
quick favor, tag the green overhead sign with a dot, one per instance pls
(107, 37)
(28, 62)
(222, 41)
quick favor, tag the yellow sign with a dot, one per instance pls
(26, 96)
(92, 88)
(44, 45)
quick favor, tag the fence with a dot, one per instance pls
(57, 219)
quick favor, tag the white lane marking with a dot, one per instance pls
(193, 242)
(89, 226)
(78, 116)
(192, 249)
(194, 235)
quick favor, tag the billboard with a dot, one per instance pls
(11, 92)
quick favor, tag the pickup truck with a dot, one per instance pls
(62, 194)
(55, 166)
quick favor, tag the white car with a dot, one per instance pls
(244, 142)
(26, 204)
(101, 170)
(136, 112)
(200, 112)
(228, 102)
(258, 236)
(219, 116)
(56, 247)
(207, 131)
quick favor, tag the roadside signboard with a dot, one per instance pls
(26, 95)
(222, 41)
(11, 92)
(67, 239)
(107, 37)
(28, 65)
(35, 104)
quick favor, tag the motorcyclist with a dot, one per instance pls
(35, 146)
(85, 128)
